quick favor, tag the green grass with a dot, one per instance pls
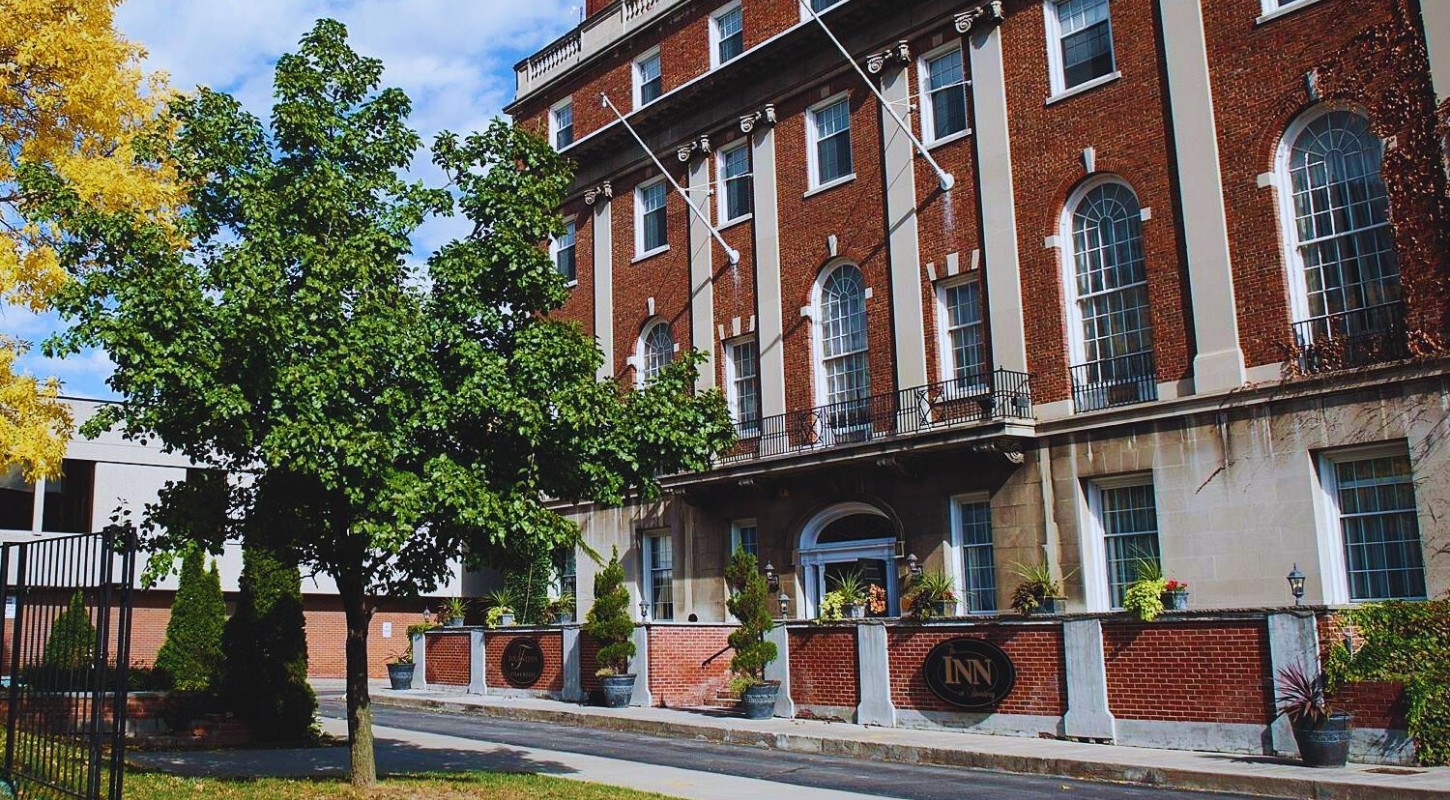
(453, 786)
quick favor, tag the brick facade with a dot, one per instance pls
(1036, 654)
(824, 667)
(448, 658)
(551, 643)
(689, 664)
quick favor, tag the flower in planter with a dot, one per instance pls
(876, 599)
(1175, 586)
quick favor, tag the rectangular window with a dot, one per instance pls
(17, 500)
(567, 565)
(946, 90)
(965, 339)
(728, 33)
(744, 387)
(660, 572)
(649, 216)
(830, 133)
(1128, 515)
(564, 253)
(1081, 38)
(743, 536)
(735, 183)
(561, 122)
(648, 85)
(1374, 499)
(822, 5)
(974, 535)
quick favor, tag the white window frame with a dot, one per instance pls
(1057, 71)
(639, 211)
(637, 80)
(732, 393)
(735, 527)
(554, 110)
(955, 543)
(946, 360)
(554, 250)
(928, 111)
(716, 38)
(1273, 9)
(641, 351)
(806, 15)
(1333, 565)
(722, 204)
(1097, 593)
(813, 157)
(818, 345)
(646, 578)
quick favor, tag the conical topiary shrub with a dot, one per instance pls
(265, 672)
(191, 656)
(609, 621)
(72, 639)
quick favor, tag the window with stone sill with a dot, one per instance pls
(561, 123)
(735, 183)
(944, 86)
(648, 81)
(563, 248)
(727, 33)
(1079, 42)
(829, 130)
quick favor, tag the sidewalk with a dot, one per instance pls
(1176, 769)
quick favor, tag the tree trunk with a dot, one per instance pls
(363, 769)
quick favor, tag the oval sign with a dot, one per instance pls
(523, 662)
(970, 673)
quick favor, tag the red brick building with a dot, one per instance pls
(1063, 282)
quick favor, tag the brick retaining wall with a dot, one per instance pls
(1036, 653)
(1199, 671)
(551, 642)
(689, 664)
(823, 667)
(448, 658)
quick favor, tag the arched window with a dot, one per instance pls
(1109, 280)
(657, 348)
(844, 370)
(1346, 281)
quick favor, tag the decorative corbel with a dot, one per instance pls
(700, 145)
(595, 192)
(900, 53)
(765, 116)
(990, 11)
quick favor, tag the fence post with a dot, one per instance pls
(779, 670)
(875, 707)
(1088, 716)
(641, 696)
(1293, 640)
(420, 661)
(13, 708)
(477, 663)
(572, 669)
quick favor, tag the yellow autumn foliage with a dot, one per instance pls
(73, 98)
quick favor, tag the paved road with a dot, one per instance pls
(865, 778)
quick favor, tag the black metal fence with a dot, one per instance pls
(1349, 339)
(66, 646)
(967, 400)
(1113, 382)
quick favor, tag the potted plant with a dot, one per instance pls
(452, 612)
(609, 623)
(1143, 598)
(1175, 595)
(851, 592)
(1321, 732)
(932, 594)
(1038, 590)
(500, 604)
(750, 605)
(561, 608)
(400, 669)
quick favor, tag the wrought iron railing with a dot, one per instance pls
(999, 395)
(1111, 382)
(1348, 339)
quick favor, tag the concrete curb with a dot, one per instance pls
(1312, 788)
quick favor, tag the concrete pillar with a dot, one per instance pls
(702, 289)
(640, 667)
(767, 271)
(779, 670)
(902, 243)
(1293, 639)
(1219, 365)
(1087, 715)
(604, 282)
(477, 663)
(999, 215)
(875, 707)
(420, 661)
(572, 668)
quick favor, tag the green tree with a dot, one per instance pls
(750, 605)
(265, 673)
(608, 621)
(72, 638)
(528, 579)
(191, 656)
(391, 415)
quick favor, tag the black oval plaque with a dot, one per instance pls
(970, 673)
(523, 662)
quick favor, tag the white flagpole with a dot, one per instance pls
(946, 179)
(730, 252)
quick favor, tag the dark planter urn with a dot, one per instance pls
(758, 701)
(617, 690)
(1324, 742)
(401, 676)
(1175, 601)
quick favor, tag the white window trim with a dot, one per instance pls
(1097, 594)
(732, 395)
(554, 123)
(923, 80)
(722, 201)
(735, 526)
(806, 15)
(636, 80)
(818, 347)
(813, 158)
(1272, 10)
(955, 562)
(646, 563)
(715, 38)
(640, 253)
(1056, 71)
(946, 365)
(1333, 567)
(1076, 346)
(640, 345)
(554, 249)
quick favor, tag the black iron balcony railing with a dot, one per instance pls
(1111, 382)
(999, 395)
(1348, 339)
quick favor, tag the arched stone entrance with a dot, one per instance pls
(845, 537)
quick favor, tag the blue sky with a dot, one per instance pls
(454, 58)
